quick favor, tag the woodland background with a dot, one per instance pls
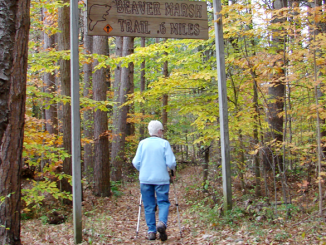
(275, 67)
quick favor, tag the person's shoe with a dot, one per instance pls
(161, 229)
(151, 236)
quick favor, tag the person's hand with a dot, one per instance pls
(172, 176)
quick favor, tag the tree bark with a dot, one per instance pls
(142, 89)
(318, 94)
(14, 26)
(116, 111)
(276, 92)
(130, 129)
(51, 116)
(101, 160)
(242, 163)
(116, 84)
(256, 141)
(64, 44)
(165, 99)
(205, 167)
(320, 27)
(88, 117)
(119, 131)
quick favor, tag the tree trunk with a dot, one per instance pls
(187, 147)
(116, 84)
(102, 161)
(165, 97)
(119, 131)
(130, 129)
(276, 92)
(88, 117)
(51, 116)
(242, 164)
(321, 28)
(142, 89)
(64, 44)
(290, 123)
(193, 158)
(256, 141)
(14, 26)
(205, 167)
(116, 111)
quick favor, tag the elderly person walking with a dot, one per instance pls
(154, 155)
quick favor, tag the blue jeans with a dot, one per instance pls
(162, 200)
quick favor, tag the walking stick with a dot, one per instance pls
(139, 210)
(176, 203)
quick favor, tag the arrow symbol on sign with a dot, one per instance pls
(108, 28)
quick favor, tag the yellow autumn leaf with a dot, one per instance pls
(253, 152)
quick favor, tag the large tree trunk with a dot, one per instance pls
(88, 117)
(49, 81)
(14, 26)
(102, 162)
(120, 124)
(275, 105)
(276, 94)
(64, 44)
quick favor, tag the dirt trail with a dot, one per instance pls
(114, 220)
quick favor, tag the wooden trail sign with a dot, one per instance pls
(147, 18)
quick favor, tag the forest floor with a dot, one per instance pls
(113, 220)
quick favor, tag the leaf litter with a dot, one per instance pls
(113, 220)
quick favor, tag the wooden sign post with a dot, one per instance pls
(147, 18)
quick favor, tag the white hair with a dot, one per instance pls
(154, 127)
